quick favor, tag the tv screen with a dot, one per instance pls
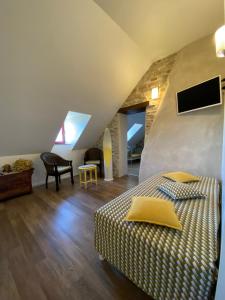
(205, 94)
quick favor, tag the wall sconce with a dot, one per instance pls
(220, 41)
(155, 93)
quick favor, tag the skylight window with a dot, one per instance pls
(72, 128)
(133, 130)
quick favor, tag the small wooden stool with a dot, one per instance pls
(83, 170)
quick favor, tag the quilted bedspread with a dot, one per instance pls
(163, 262)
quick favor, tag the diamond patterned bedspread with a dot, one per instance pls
(163, 262)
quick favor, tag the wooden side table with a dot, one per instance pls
(83, 174)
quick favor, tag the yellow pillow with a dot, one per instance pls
(181, 177)
(153, 210)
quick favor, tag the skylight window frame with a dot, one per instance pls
(63, 142)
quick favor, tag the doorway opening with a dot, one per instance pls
(131, 136)
(135, 141)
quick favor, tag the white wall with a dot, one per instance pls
(59, 56)
(38, 177)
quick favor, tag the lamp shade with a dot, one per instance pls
(220, 41)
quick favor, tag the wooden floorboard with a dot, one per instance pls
(47, 245)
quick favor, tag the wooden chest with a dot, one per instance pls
(15, 184)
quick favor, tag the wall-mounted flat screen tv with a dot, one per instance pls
(202, 95)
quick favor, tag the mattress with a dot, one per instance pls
(163, 262)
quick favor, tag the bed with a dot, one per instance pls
(165, 263)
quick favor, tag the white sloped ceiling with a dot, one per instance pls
(59, 56)
(162, 27)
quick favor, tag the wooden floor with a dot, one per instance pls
(47, 246)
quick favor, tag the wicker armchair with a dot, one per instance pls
(56, 166)
(94, 156)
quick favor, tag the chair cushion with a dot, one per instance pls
(64, 168)
(87, 167)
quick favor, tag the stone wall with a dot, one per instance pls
(157, 75)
